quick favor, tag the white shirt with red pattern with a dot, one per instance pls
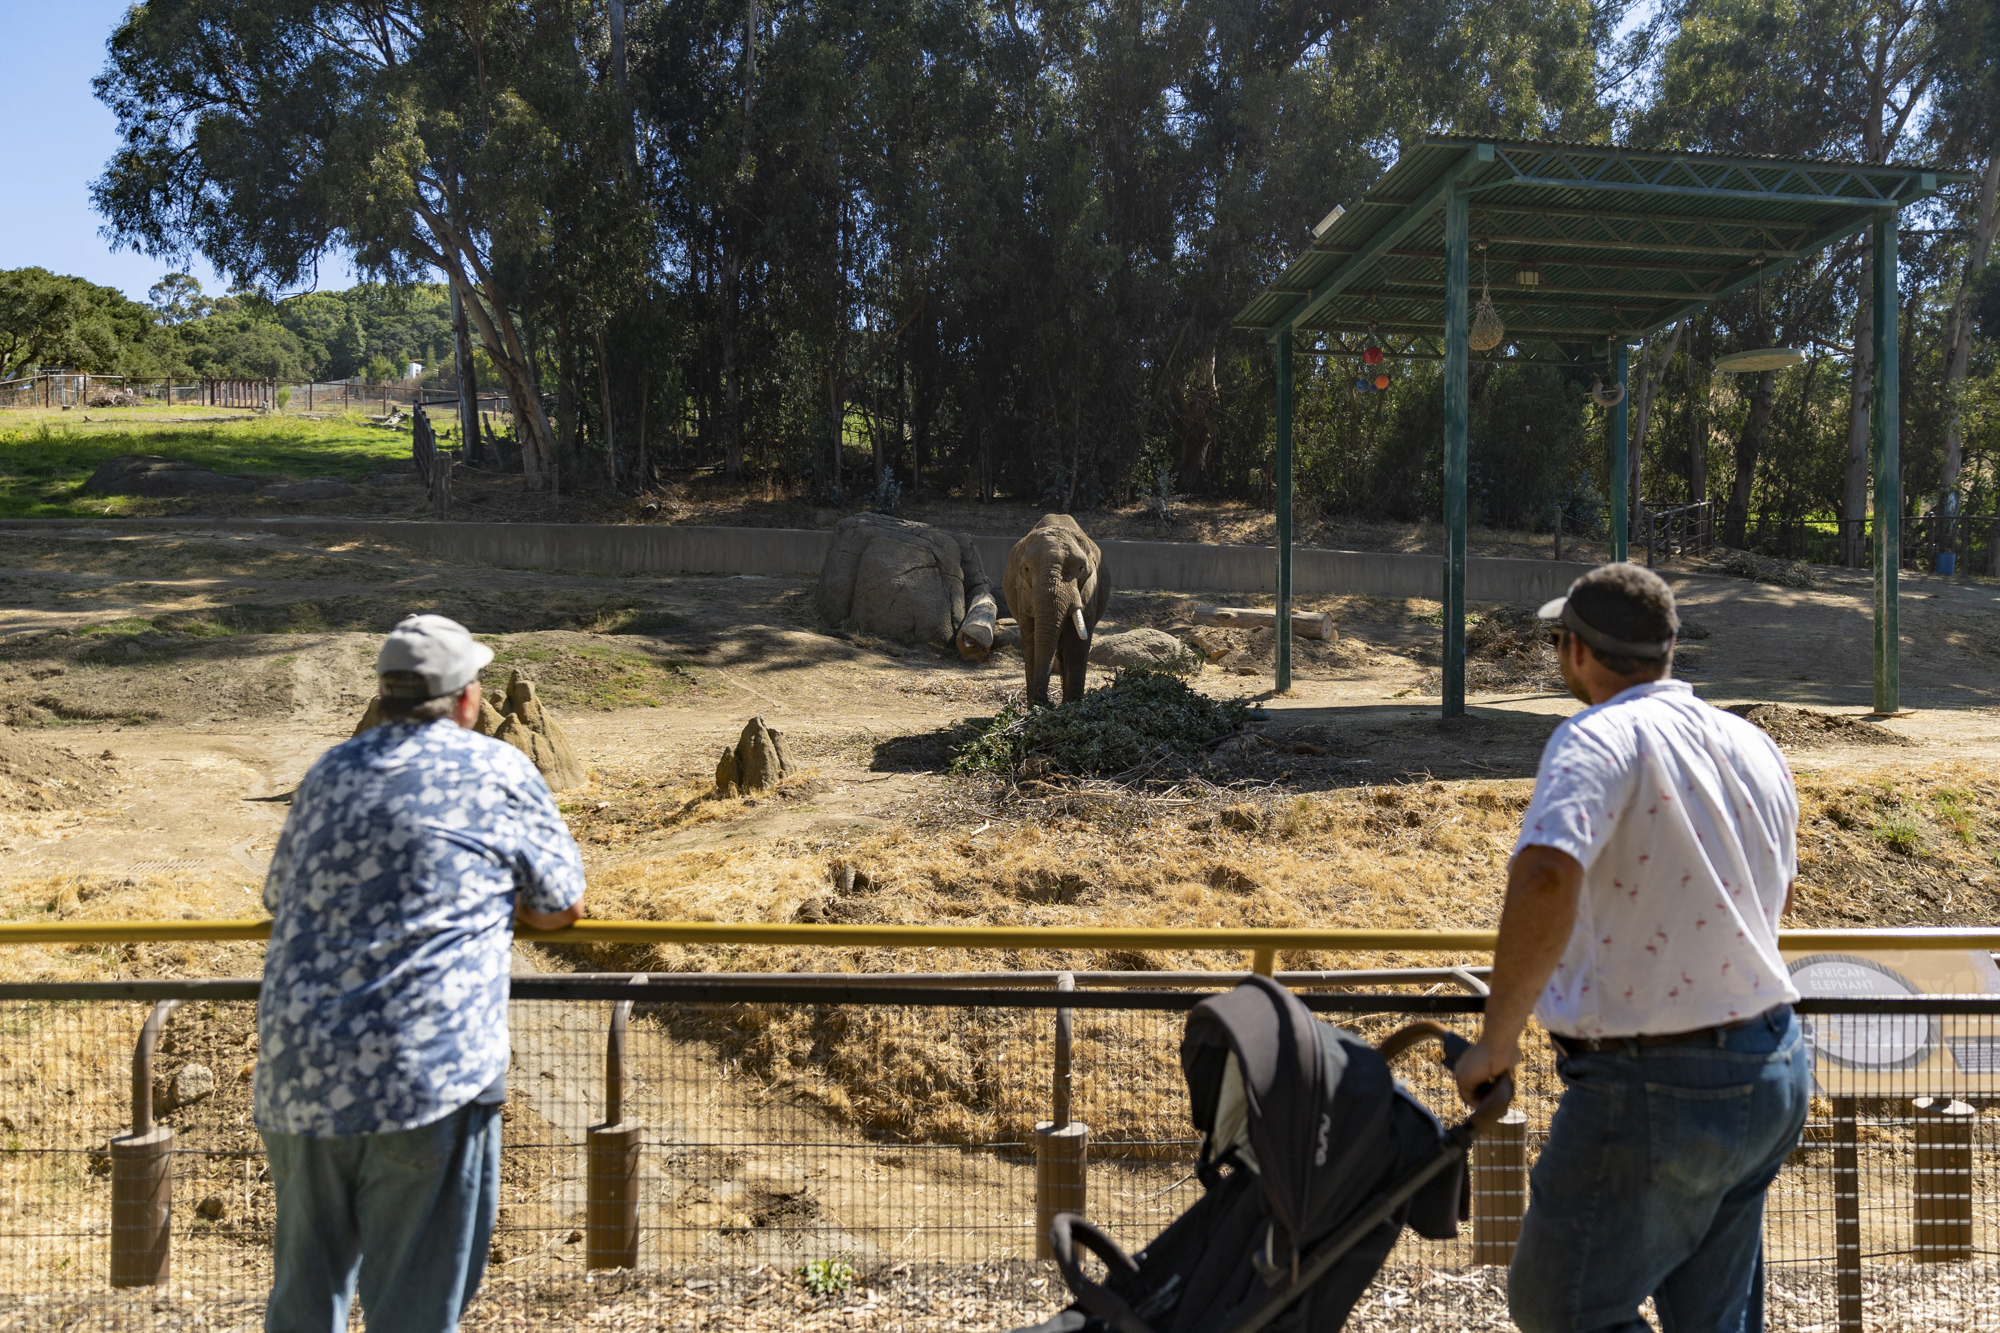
(1686, 824)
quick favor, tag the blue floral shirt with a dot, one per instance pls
(392, 892)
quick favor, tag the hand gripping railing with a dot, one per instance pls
(142, 1175)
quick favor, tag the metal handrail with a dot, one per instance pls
(1249, 939)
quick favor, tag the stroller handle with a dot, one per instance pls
(1069, 1230)
(1494, 1096)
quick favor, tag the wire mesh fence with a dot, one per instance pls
(813, 1152)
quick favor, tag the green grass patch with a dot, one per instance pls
(1900, 833)
(43, 466)
(589, 676)
(1142, 717)
(1954, 807)
(129, 625)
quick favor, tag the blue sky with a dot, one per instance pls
(61, 138)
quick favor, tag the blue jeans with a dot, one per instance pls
(1652, 1183)
(410, 1213)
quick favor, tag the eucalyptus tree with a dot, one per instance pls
(419, 135)
(1967, 133)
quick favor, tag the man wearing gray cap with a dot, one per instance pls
(1641, 929)
(382, 1025)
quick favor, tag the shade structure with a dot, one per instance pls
(1590, 248)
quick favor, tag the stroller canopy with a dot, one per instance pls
(1318, 1119)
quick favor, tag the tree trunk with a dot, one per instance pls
(1698, 433)
(1958, 332)
(732, 392)
(1861, 393)
(645, 461)
(502, 338)
(565, 396)
(1650, 376)
(732, 265)
(468, 384)
(604, 406)
(1748, 446)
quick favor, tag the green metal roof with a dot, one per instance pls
(1626, 242)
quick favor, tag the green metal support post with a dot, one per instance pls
(1457, 354)
(1888, 488)
(1284, 498)
(1621, 460)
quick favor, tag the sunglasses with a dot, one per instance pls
(1556, 636)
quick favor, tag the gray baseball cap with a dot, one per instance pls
(437, 649)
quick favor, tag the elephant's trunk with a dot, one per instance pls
(1039, 646)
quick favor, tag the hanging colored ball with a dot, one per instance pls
(1362, 385)
(1381, 381)
(1372, 356)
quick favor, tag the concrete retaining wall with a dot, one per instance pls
(670, 549)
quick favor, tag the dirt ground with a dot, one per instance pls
(164, 693)
(187, 680)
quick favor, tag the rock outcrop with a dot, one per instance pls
(522, 722)
(907, 581)
(527, 726)
(156, 477)
(756, 764)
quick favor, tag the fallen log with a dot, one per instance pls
(975, 632)
(1305, 624)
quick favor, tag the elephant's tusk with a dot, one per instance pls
(1082, 631)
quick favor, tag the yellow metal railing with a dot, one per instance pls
(1253, 939)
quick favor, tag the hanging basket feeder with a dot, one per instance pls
(1488, 330)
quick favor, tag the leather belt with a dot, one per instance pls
(1595, 1045)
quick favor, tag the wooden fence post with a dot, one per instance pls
(1942, 1190)
(1062, 1146)
(611, 1202)
(1499, 1188)
(1846, 1216)
(142, 1176)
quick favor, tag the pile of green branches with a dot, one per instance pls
(1143, 717)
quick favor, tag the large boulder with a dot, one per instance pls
(1135, 648)
(155, 477)
(898, 579)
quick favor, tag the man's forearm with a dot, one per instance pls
(1535, 926)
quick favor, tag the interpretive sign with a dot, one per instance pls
(1901, 1055)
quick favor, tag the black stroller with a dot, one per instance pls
(1313, 1160)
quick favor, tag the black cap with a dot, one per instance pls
(1621, 610)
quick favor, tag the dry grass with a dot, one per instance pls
(1428, 855)
(1423, 856)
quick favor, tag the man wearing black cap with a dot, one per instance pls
(1640, 928)
(408, 855)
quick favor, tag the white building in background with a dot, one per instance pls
(416, 371)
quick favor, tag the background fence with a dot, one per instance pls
(71, 390)
(762, 1127)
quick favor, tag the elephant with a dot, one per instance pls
(1056, 587)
